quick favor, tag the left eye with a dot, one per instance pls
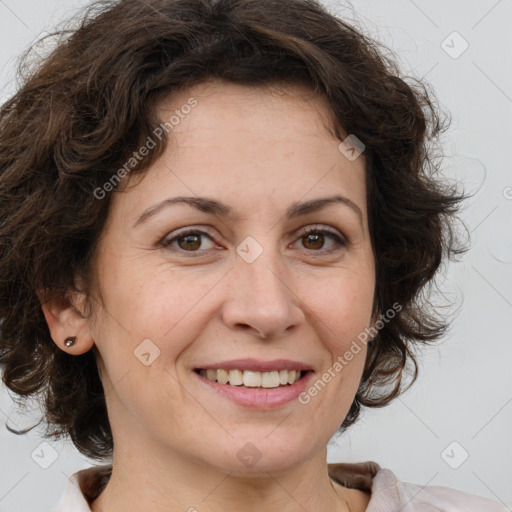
(190, 240)
(315, 235)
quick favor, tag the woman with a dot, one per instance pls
(216, 221)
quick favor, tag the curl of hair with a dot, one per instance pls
(82, 111)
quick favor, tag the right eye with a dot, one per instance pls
(188, 240)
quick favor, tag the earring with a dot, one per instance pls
(70, 341)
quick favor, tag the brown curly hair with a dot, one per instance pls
(83, 110)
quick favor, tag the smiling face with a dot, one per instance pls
(246, 283)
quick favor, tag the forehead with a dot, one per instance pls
(247, 145)
(226, 103)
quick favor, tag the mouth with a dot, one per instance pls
(255, 383)
(267, 390)
(249, 379)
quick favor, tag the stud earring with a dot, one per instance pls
(70, 341)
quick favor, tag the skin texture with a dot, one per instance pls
(176, 441)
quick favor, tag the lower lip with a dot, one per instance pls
(259, 398)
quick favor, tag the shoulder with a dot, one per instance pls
(83, 487)
(389, 492)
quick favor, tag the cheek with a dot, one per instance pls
(150, 318)
(145, 296)
(342, 305)
(341, 311)
(144, 302)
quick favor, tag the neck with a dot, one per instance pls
(172, 483)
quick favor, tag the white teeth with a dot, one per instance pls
(270, 380)
(222, 376)
(252, 379)
(236, 377)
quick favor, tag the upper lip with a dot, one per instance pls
(256, 365)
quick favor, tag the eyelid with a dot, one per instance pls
(319, 227)
(340, 239)
(170, 237)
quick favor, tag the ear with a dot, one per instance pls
(65, 320)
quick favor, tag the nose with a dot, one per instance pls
(262, 299)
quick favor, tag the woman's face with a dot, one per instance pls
(248, 288)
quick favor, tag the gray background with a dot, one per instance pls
(461, 404)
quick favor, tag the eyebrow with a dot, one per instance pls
(214, 207)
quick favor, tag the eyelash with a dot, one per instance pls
(340, 241)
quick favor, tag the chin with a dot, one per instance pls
(259, 455)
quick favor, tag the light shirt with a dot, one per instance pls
(388, 494)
